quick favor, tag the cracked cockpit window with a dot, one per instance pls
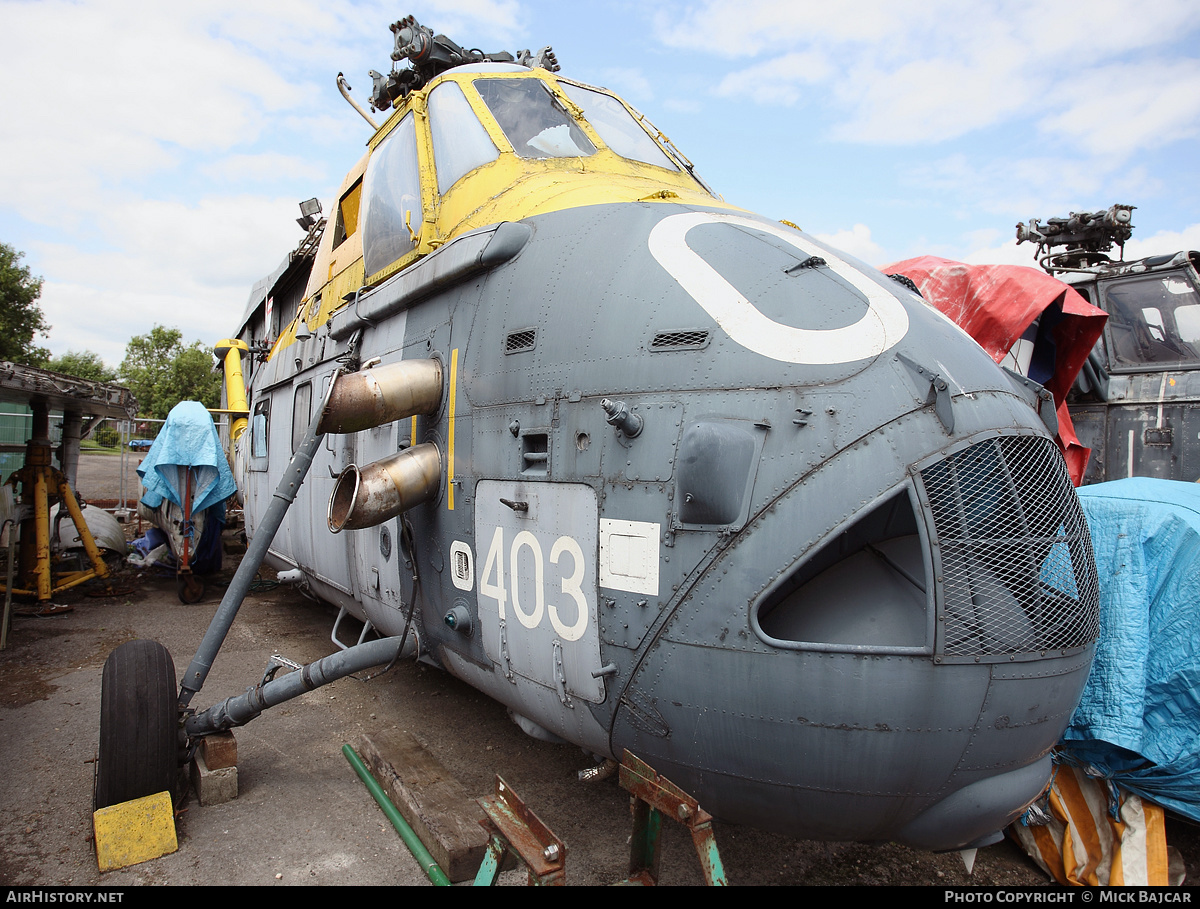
(533, 119)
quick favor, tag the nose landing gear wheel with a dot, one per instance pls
(139, 753)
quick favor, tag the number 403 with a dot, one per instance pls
(574, 603)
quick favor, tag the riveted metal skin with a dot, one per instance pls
(744, 575)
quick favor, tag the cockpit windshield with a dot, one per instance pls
(460, 143)
(617, 127)
(533, 119)
(1154, 322)
(391, 210)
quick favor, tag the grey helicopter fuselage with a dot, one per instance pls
(697, 486)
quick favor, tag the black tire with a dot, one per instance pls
(139, 752)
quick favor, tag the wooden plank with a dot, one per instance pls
(432, 801)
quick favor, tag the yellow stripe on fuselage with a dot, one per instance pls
(450, 434)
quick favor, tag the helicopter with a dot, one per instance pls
(654, 472)
(1134, 402)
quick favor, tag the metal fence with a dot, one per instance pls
(15, 429)
(128, 439)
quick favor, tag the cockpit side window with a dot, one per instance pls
(347, 214)
(533, 120)
(460, 143)
(391, 199)
(1153, 322)
(259, 425)
(617, 127)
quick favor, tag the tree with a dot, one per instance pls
(86, 365)
(20, 316)
(161, 372)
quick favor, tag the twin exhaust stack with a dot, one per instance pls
(367, 496)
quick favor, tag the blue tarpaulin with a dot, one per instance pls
(187, 441)
(1138, 722)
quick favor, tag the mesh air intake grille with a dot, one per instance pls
(679, 340)
(1017, 571)
(520, 340)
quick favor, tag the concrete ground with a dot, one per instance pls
(98, 478)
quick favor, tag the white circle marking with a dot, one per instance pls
(881, 327)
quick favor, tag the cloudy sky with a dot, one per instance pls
(153, 155)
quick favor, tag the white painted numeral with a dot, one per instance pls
(570, 586)
(529, 619)
(495, 559)
(496, 583)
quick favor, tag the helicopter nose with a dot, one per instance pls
(995, 549)
(928, 650)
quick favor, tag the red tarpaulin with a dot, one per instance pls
(995, 304)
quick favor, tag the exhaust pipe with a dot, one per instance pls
(230, 353)
(367, 496)
(372, 397)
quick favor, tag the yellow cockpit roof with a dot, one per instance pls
(471, 128)
(512, 186)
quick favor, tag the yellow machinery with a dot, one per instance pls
(229, 352)
(42, 485)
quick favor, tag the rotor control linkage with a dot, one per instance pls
(1086, 238)
(429, 55)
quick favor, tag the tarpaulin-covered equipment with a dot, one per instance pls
(187, 480)
(1139, 717)
(1132, 747)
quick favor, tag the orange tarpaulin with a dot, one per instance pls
(1086, 844)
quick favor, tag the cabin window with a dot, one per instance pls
(1187, 321)
(301, 414)
(347, 214)
(259, 425)
(533, 120)
(617, 127)
(460, 143)
(1153, 322)
(391, 199)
